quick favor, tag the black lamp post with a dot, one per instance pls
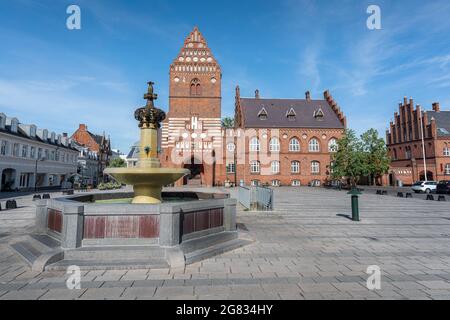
(35, 172)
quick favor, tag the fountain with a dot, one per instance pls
(148, 177)
(157, 230)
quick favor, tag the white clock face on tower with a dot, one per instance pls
(213, 80)
(176, 79)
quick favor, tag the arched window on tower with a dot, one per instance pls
(196, 89)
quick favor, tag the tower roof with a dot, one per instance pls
(195, 52)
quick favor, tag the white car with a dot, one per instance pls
(424, 186)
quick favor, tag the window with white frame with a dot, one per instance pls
(16, 147)
(231, 168)
(314, 145)
(254, 144)
(275, 166)
(274, 145)
(32, 152)
(231, 147)
(255, 183)
(275, 183)
(447, 169)
(4, 148)
(295, 167)
(315, 167)
(255, 166)
(24, 151)
(446, 152)
(296, 183)
(332, 163)
(294, 145)
(332, 145)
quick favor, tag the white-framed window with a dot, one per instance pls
(332, 167)
(295, 167)
(255, 183)
(294, 145)
(231, 168)
(16, 148)
(275, 183)
(24, 151)
(275, 166)
(254, 144)
(446, 152)
(296, 183)
(332, 145)
(32, 152)
(4, 148)
(315, 167)
(314, 145)
(231, 147)
(447, 169)
(255, 166)
(274, 145)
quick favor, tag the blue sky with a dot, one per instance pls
(59, 78)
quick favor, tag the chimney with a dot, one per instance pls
(436, 107)
(82, 127)
(308, 96)
(256, 94)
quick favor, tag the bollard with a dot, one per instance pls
(400, 194)
(355, 205)
(11, 204)
(430, 197)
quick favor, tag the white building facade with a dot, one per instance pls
(32, 157)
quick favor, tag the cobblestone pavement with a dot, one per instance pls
(306, 249)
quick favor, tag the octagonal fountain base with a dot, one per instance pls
(105, 231)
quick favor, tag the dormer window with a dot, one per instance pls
(318, 114)
(262, 114)
(291, 114)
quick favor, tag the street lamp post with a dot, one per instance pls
(35, 172)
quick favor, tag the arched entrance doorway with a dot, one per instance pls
(8, 179)
(429, 176)
(197, 170)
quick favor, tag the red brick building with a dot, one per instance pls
(275, 141)
(404, 142)
(96, 143)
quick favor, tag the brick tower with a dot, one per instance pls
(191, 134)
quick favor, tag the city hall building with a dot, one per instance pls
(410, 127)
(273, 141)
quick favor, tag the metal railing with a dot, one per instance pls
(256, 198)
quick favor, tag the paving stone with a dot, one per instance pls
(141, 292)
(102, 293)
(23, 295)
(62, 294)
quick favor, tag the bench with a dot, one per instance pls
(442, 198)
(400, 194)
(408, 195)
(430, 197)
(11, 204)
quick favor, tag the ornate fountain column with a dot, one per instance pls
(148, 177)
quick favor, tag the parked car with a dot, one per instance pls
(443, 187)
(424, 186)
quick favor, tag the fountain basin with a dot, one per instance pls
(147, 182)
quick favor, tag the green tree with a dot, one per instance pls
(376, 154)
(117, 163)
(350, 160)
(227, 123)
